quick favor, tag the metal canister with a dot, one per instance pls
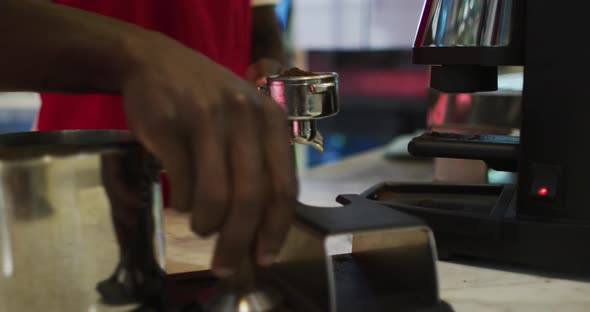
(306, 99)
(80, 226)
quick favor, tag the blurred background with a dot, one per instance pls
(18, 111)
(368, 42)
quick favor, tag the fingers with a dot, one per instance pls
(162, 139)
(252, 72)
(221, 154)
(211, 190)
(263, 68)
(229, 163)
(268, 67)
(238, 232)
(176, 159)
(283, 185)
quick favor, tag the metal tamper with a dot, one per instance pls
(243, 292)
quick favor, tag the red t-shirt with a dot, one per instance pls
(220, 29)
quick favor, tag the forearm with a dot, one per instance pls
(267, 39)
(55, 48)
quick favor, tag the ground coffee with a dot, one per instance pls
(296, 72)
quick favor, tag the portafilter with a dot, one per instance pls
(307, 98)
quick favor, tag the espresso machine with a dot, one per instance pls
(543, 220)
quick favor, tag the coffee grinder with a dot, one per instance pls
(543, 220)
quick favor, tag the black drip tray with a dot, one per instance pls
(470, 203)
(467, 210)
(483, 200)
(482, 222)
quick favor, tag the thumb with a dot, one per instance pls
(252, 73)
(260, 81)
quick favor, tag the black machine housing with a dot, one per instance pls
(544, 220)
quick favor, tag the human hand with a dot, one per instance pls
(224, 145)
(264, 67)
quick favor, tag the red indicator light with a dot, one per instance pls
(542, 191)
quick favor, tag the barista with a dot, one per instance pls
(224, 145)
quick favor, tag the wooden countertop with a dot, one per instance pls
(467, 287)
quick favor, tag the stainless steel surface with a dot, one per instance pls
(406, 255)
(386, 265)
(491, 112)
(305, 99)
(62, 249)
(305, 269)
(460, 23)
(498, 111)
